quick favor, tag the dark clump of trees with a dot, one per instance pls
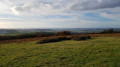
(63, 33)
(53, 39)
(57, 39)
(110, 31)
(48, 40)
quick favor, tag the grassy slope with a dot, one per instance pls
(97, 52)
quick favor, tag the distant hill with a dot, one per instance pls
(5, 31)
(84, 30)
(9, 31)
(74, 30)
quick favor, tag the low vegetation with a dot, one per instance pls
(17, 37)
(62, 33)
(22, 36)
(32, 35)
(96, 52)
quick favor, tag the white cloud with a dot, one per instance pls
(32, 12)
(112, 16)
(37, 9)
(45, 7)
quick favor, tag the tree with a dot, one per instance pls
(108, 31)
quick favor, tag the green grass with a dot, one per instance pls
(96, 52)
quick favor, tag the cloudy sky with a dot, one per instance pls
(59, 13)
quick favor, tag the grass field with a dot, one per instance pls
(96, 52)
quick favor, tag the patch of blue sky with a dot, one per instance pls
(102, 19)
(97, 17)
(109, 12)
(93, 15)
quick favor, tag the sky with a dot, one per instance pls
(59, 14)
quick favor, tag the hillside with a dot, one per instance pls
(96, 52)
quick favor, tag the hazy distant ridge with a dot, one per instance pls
(77, 30)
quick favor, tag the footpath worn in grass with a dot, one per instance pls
(96, 52)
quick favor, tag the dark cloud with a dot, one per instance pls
(95, 4)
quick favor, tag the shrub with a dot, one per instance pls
(64, 38)
(63, 33)
(48, 40)
(78, 38)
(88, 37)
(53, 39)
